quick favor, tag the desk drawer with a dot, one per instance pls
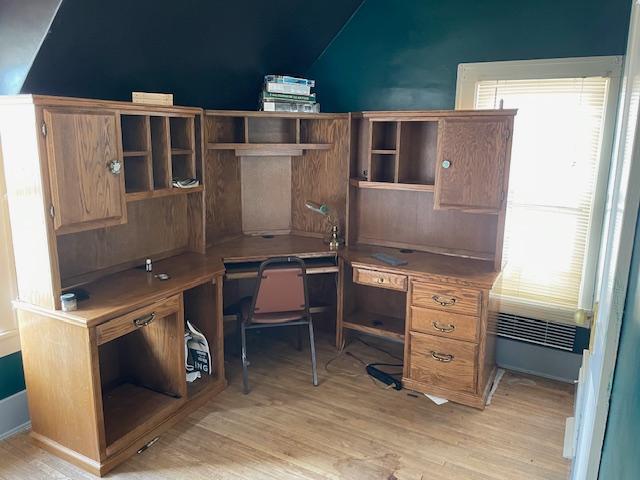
(142, 317)
(444, 324)
(392, 281)
(448, 298)
(444, 363)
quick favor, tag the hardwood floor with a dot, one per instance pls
(346, 428)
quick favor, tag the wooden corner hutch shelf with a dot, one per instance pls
(90, 196)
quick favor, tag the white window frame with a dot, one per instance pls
(9, 338)
(605, 66)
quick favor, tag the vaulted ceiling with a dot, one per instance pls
(207, 53)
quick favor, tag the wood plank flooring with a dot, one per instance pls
(346, 428)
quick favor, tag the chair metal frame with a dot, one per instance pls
(247, 324)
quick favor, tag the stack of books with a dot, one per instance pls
(282, 93)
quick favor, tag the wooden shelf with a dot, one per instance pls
(268, 146)
(163, 192)
(128, 407)
(383, 152)
(376, 324)
(202, 385)
(410, 187)
(181, 151)
(135, 153)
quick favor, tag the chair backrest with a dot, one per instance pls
(281, 286)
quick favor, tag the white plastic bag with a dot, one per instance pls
(197, 355)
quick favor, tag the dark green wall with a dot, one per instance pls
(11, 377)
(404, 54)
(210, 54)
(621, 450)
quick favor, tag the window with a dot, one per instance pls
(8, 329)
(557, 181)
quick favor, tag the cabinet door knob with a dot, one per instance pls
(446, 164)
(115, 167)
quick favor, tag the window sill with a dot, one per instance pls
(9, 342)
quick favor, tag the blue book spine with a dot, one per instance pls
(288, 79)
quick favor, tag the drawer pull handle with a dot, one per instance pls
(442, 357)
(444, 302)
(144, 321)
(444, 328)
(380, 280)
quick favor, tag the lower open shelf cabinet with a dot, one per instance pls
(376, 324)
(130, 410)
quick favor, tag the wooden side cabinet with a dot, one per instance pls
(84, 153)
(471, 165)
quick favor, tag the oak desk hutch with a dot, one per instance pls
(90, 197)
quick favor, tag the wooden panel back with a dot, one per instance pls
(320, 175)
(417, 152)
(161, 152)
(266, 194)
(155, 353)
(271, 130)
(156, 227)
(80, 146)
(397, 218)
(222, 195)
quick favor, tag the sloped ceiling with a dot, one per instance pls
(211, 54)
(23, 25)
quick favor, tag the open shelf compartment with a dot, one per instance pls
(223, 129)
(142, 378)
(272, 130)
(137, 174)
(417, 152)
(135, 134)
(384, 136)
(373, 310)
(201, 310)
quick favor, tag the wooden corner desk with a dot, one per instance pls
(90, 195)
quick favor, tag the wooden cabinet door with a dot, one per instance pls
(85, 166)
(472, 164)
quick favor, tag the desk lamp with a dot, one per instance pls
(324, 210)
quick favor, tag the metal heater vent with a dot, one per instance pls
(540, 332)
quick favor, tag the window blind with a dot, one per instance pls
(552, 184)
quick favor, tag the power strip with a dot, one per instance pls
(384, 377)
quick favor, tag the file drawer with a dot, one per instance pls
(442, 362)
(444, 324)
(448, 298)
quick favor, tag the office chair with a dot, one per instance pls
(281, 299)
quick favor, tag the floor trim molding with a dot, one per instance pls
(14, 414)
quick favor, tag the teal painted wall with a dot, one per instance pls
(11, 376)
(621, 451)
(404, 54)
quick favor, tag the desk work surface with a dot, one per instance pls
(465, 270)
(124, 291)
(248, 248)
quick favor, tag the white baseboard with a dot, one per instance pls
(14, 414)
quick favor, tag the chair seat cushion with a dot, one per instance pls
(274, 317)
